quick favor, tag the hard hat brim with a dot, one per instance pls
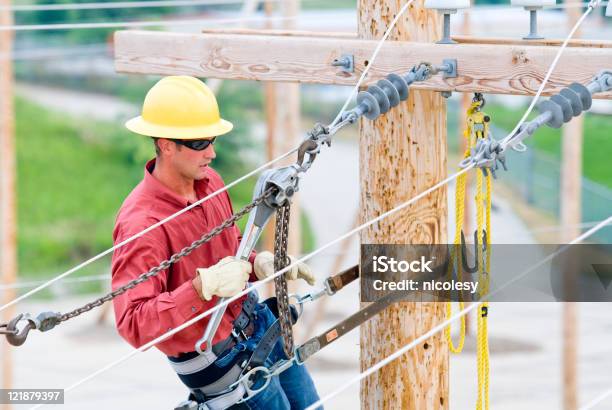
(141, 126)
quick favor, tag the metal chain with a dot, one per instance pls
(166, 264)
(281, 260)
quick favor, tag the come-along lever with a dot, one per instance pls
(283, 182)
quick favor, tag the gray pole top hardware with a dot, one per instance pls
(387, 93)
(570, 102)
(346, 62)
(533, 24)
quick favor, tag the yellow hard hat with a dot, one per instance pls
(180, 107)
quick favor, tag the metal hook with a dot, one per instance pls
(14, 336)
(464, 259)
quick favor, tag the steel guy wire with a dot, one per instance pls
(182, 3)
(87, 262)
(112, 24)
(438, 328)
(504, 142)
(123, 5)
(31, 284)
(150, 228)
(597, 400)
(558, 228)
(266, 280)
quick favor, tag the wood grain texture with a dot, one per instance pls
(489, 68)
(402, 154)
(571, 217)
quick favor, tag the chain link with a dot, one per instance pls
(168, 262)
(281, 260)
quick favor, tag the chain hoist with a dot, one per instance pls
(281, 260)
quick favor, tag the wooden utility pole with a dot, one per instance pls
(402, 154)
(8, 217)
(288, 134)
(571, 216)
(283, 125)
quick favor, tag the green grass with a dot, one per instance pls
(597, 144)
(72, 178)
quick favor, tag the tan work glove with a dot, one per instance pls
(226, 278)
(264, 267)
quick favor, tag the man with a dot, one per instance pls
(181, 114)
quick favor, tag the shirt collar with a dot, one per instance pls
(159, 190)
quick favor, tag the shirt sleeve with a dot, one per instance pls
(149, 310)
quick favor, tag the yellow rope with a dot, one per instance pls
(455, 257)
(477, 127)
(483, 209)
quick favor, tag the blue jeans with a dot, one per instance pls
(292, 389)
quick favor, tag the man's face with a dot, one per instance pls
(189, 163)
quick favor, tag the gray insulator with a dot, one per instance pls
(368, 100)
(574, 100)
(565, 105)
(584, 93)
(400, 85)
(410, 78)
(555, 110)
(390, 90)
(381, 97)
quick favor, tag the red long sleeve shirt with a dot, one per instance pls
(169, 299)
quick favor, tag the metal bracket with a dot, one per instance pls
(346, 62)
(449, 68)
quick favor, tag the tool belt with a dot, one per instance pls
(211, 385)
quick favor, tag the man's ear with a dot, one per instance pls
(166, 146)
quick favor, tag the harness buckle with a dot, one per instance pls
(238, 335)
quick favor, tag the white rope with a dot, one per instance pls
(597, 400)
(557, 228)
(127, 24)
(592, 5)
(31, 284)
(371, 60)
(263, 282)
(449, 321)
(553, 7)
(120, 5)
(150, 228)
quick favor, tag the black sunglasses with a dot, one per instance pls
(198, 145)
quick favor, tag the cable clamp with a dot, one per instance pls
(487, 155)
(604, 80)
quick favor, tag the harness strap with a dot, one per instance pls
(267, 342)
(243, 325)
(224, 401)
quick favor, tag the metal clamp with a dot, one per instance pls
(486, 156)
(247, 382)
(603, 81)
